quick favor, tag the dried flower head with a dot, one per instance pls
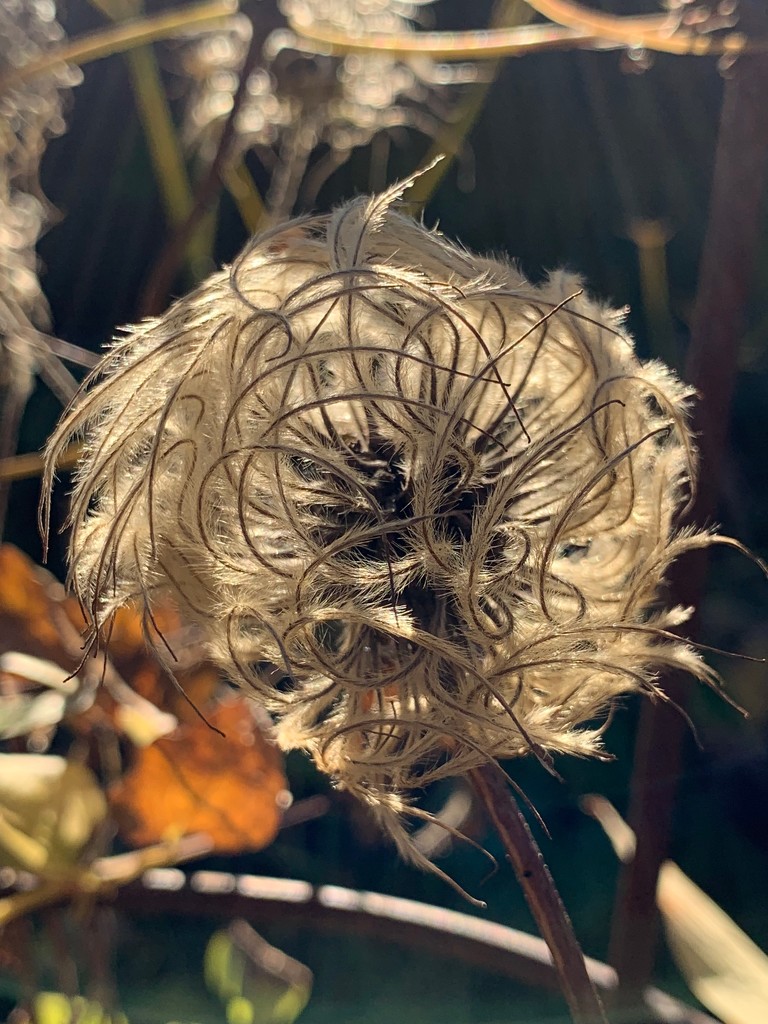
(421, 507)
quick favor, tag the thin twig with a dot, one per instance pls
(31, 464)
(161, 136)
(105, 42)
(160, 282)
(540, 892)
(14, 402)
(67, 979)
(660, 32)
(486, 44)
(454, 936)
(162, 139)
(572, 26)
(452, 137)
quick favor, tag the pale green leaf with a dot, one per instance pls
(49, 809)
(723, 967)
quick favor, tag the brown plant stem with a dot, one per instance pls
(540, 892)
(730, 250)
(486, 44)
(160, 281)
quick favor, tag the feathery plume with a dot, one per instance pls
(419, 506)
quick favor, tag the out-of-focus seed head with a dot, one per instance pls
(418, 505)
(31, 112)
(298, 97)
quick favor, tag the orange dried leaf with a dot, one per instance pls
(37, 619)
(129, 653)
(230, 787)
(28, 621)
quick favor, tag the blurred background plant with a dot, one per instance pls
(30, 114)
(191, 126)
(298, 99)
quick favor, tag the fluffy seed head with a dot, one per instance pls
(420, 506)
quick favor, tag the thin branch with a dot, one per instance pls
(651, 238)
(655, 32)
(452, 137)
(101, 878)
(161, 135)
(575, 26)
(31, 464)
(241, 186)
(104, 43)
(166, 267)
(505, 951)
(488, 44)
(541, 894)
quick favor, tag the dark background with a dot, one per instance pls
(569, 152)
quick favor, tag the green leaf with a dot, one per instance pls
(44, 696)
(49, 809)
(55, 1008)
(257, 983)
(723, 967)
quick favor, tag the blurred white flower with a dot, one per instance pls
(298, 98)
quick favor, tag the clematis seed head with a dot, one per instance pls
(420, 507)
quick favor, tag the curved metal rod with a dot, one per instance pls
(496, 947)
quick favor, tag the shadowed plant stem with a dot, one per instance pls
(160, 281)
(725, 278)
(452, 137)
(540, 892)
